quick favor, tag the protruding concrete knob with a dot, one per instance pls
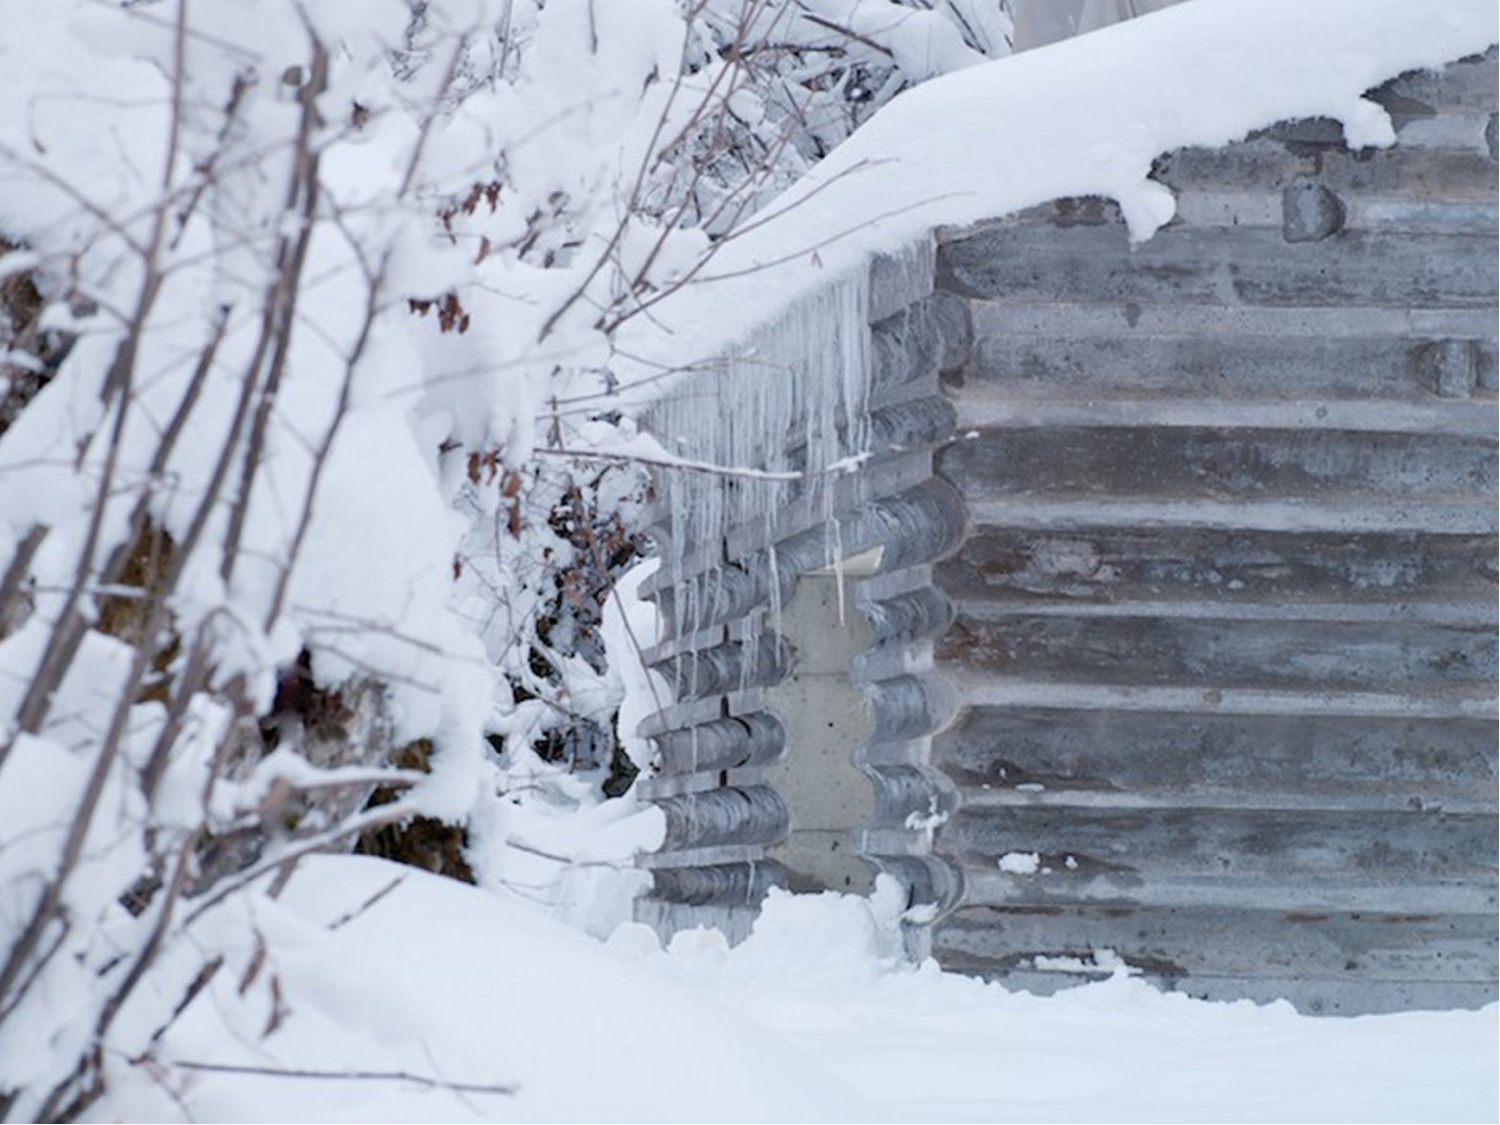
(1310, 212)
(1450, 367)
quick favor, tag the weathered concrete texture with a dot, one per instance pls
(1103, 759)
(1309, 654)
(1090, 352)
(1224, 623)
(1336, 962)
(1249, 463)
(724, 744)
(701, 673)
(1168, 584)
(908, 346)
(1263, 167)
(752, 815)
(737, 884)
(1204, 266)
(1109, 565)
(828, 797)
(1231, 855)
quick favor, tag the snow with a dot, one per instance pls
(440, 979)
(631, 627)
(381, 969)
(814, 1018)
(1020, 863)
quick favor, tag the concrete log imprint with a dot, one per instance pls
(800, 620)
(1165, 613)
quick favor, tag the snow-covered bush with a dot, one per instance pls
(820, 68)
(307, 346)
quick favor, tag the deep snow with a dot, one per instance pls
(813, 1018)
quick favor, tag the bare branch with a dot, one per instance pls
(346, 1076)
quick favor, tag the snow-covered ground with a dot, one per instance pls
(812, 1019)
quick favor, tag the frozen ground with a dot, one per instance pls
(809, 1020)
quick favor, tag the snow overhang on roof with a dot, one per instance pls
(1087, 116)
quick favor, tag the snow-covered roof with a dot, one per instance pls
(1087, 116)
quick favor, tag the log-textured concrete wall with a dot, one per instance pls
(1182, 612)
(752, 593)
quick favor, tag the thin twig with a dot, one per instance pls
(346, 1076)
(345, 919)
(372, 818)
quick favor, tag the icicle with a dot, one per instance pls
(773, 566)
(836, 544)
(798, 386)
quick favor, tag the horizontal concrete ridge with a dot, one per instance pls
(1273, 570)
(1389, 612)
(751, 815)
(706, 672)
(1366, 214)
(909, 346)
(1286, 890)
(1176, 756)
(1345, 962)
(920, 422)
(1263, 167)
(1293, 514)
(1064, 352)
(1228, 326)
(732, 743)
(978, 408)
(1189, 462)
(1205, 266)
(1155, 651)
(1097, 365)
(720, 884)
(1210, 801)
(1118, 849)
(1320, 997)
(979, 689)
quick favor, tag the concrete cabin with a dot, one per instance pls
(1159, 615)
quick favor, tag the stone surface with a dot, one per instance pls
(1173, 568)
(1248, 463)
(1207, 266)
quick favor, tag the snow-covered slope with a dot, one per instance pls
(811, 1019)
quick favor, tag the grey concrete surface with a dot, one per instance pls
(1179, 639)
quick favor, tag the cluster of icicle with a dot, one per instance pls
(769, 427)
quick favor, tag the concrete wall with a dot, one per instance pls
(801, 619)
(1178, 636)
